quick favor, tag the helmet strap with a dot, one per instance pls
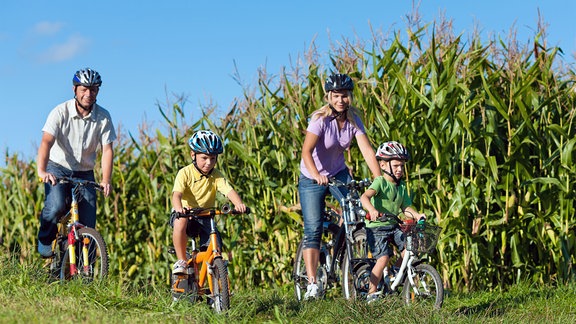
(202, 173)
(88, 109)
(396, 180)
(337, 114)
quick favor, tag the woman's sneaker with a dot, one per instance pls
(311, 291)
(372, 297)
(179, 267)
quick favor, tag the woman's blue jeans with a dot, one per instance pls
(312, 201)
(57, 202)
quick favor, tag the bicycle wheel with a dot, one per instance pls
(183, 286)
(299, 274)
(220, 287)
(353, 268)
(427, 289)
(58, 250)
(97, 266)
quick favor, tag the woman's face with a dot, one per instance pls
(339, 100)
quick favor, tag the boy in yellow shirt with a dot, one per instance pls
(196, 186)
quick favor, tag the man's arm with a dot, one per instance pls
(43, 157)
(107, 158)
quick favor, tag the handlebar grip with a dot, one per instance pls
(248, 211)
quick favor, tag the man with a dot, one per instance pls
(72, 134)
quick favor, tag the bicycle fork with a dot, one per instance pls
(72, 239)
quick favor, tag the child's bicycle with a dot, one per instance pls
(78, 251)
(204, 266)
(343, 236)
(417, 281)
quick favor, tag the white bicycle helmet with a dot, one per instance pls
(207, 142)
(392, 151)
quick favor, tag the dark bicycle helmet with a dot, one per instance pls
(87, 77)
(337, 82)
(392, 151)
(207, 142)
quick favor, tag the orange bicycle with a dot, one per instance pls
(205, 265)
(78, 251)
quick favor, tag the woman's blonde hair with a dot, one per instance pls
(325, 110)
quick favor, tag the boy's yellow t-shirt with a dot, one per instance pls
(199, 190)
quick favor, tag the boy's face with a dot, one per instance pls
(205, 162)
(396, 167)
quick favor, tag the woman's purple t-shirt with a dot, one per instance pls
(328, 154)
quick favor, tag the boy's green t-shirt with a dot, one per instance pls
(390, 198)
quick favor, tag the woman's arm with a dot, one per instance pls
(369, 154)
(307, 148)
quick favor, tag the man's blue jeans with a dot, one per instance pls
(57, 202)
(312, 201)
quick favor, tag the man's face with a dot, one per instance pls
(86, 95)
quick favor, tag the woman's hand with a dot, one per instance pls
(321, 180)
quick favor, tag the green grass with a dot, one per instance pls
(27, 295)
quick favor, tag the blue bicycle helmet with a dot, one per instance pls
(337, 82)
(87, 77)
(207, 142)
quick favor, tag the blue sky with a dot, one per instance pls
(146, 51)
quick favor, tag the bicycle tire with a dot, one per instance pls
(183, 287)
(350, 270)
(58, 249)
(429, 287)
(220, 287)
(299, 275)
(98, 257)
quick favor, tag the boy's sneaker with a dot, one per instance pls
(180, 267)
(311, 291)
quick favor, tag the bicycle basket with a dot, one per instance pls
(423, 237)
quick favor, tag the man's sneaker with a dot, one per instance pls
(45, 250)
(180, 267)
(311, 291)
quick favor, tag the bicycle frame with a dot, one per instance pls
(341, 246)
(202, 261)
(69, 228)
(205, 265)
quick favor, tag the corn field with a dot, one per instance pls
(489, 125)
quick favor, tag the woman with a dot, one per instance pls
(330, 132)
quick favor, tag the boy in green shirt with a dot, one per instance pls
(387, 195)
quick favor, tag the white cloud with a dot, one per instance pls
(47, 28)
(65, 51)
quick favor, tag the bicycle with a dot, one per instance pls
(204, 266)
(421, 283)
(73, 237)
(343, 236)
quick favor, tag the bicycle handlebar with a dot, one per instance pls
(352, 185)
(209, 212)
(77, 181)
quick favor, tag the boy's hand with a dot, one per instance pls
(241, 208)
(373, 215)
